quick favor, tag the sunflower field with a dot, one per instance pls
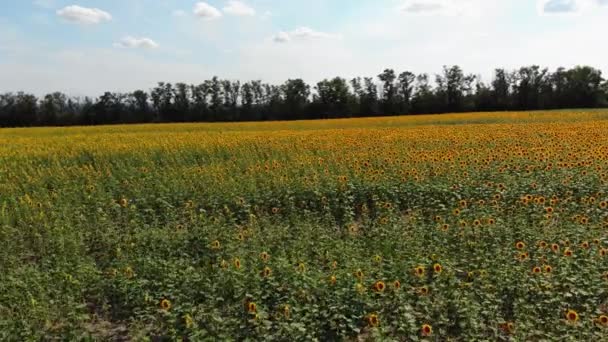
(422, 228)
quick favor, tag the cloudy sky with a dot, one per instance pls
(84, 47)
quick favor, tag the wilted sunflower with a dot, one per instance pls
(426, 330)
(165, 304)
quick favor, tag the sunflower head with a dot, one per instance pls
(379, 286)
(165, 304)
(215, 245)
(585, 244)
(237, 263)
(377, 258)
(397, 284)
(426, 330)
(265, 256)
(423, 291)
(520, 245)
(188, 321)
(536, 270)
(548, 269)
(572, 316)
(568, 252)
(437, 268)
(359, 274)
(603, 320)
(251, 307)
(373, 320)
(266, 272)
(333, 280)
(555, 247)
(419, 271)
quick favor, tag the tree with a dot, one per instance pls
(405, 90)
(332, 97)
(389, 105)
(297, 95)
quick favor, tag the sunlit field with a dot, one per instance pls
(463, 227)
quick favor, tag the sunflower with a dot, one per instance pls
(555, 247)
(603, 252)
(266, 272)
(548, 269)
(419, 271)
(275, 210)
(237, 263)
(437, 268)
(491, 221)
(585, 244)
(333, 280)
(224, 264)
(360, 288)
(584, 220)
(568, 252)
(536, 270)
(572, 316)
(438, 219)
(456, 212)
(252, 307)
(377, 258)
(240, 237)
(372, 320)
(520, 245)
(384, 220)
(522, 256)
(462, 203)
(603, 205)
(426, 330)
(188, 321)
(264, 256)
(165, 304)
(129, 273)
(397, 284)
(123, 202)
(286, 311)
(423, 291)
(359, 274)
(549, 210)
(477, 223)
(542, 244)
(301, 267)
(379, 286)
(215, 245)
(603, 320)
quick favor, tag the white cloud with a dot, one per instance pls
(84, 15)
(134, 42)
(560, 6)
(443, 7)
(206, 11)
(239, 8)
(303, 34)
(179, 13)
(281, 37)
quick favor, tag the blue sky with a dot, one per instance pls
(84, 47)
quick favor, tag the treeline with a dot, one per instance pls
(390, 93)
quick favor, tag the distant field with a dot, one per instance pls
(480, 226)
